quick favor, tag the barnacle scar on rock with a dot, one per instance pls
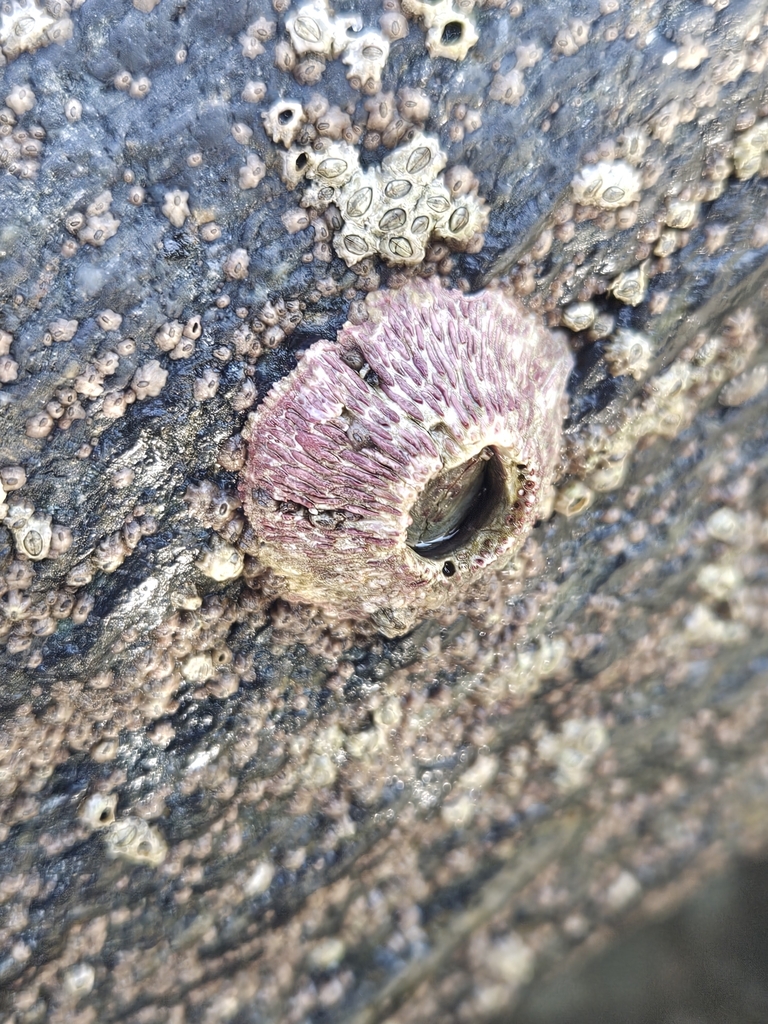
(396, 464)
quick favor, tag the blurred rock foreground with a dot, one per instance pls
(216, 806)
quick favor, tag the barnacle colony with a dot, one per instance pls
(394, 465)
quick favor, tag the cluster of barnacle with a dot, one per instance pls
(509, 86)
(599, 457)
(393, 210)
(316, 35)
(21, 146)
(189, 648)
(25, 615)
(9, 368)
(26, 25)
(66, 405)
(137, 88)
(178, 339)
(721, 581)
(131, 838)
(112, 550)
(94, 227)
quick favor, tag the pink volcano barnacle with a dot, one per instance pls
(393, 466)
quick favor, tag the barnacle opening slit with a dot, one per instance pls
(455, 504)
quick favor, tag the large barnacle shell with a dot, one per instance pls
(396, 464)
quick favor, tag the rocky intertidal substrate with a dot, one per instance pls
(217, 802)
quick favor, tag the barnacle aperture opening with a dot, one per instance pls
(397, 463)
(457, 503)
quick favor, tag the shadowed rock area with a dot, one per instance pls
(219, 805)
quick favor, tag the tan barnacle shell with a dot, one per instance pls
(573, 498)
(32, 537)
(607, 185)
(135, 840)
(295, 220)
(109, 320)
(169, 336)
(252, 172)
(62, 330)
(630, 287)
(9, 369)
(609, 473)
(221, 561)
(508, 88)
(20, 99)
(579, 316)
(450, 28)
(744, 387)
(413, 105)
(630, 353)
(12, 478)
(253, 92)
(236, 265)
(139, 87)
(283, 121)
(681, 214)
(366, 56)
(175, 207)
(99, 229)
(98, 810)
(110, 553)
(395, 465)
(149, 380)
(393, 24)
(633, 143)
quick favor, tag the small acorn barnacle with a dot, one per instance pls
(394, 465)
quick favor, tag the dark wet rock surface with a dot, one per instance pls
(218, 806)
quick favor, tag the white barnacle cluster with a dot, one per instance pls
(749, 151)
(97, 225)
(393, 210)
(88, 391)
(450, 26)
(21, 143)
(317, 34)
(509, 86)
(607, 185)
(26, 25)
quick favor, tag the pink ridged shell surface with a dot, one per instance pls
(366, 435)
